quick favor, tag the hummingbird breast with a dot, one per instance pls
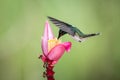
(77, 38)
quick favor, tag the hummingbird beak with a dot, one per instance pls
(61, 33)
(58, 37)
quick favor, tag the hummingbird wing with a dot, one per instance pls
(64, 27)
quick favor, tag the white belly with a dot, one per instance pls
(77, 38)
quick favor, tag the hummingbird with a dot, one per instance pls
(74, 32)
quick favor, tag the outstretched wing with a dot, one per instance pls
(65, 27)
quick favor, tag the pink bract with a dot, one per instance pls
(57, 51)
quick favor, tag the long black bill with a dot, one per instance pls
(61, 33)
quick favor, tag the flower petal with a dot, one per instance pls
(56, 52)
(45, 40)
(50, 33)
(67, 46)
(46, 36)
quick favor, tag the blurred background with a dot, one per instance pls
(22, 25)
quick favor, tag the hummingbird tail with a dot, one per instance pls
(90, 35)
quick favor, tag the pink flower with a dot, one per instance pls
(52, 48)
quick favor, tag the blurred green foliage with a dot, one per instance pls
(21, 28)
